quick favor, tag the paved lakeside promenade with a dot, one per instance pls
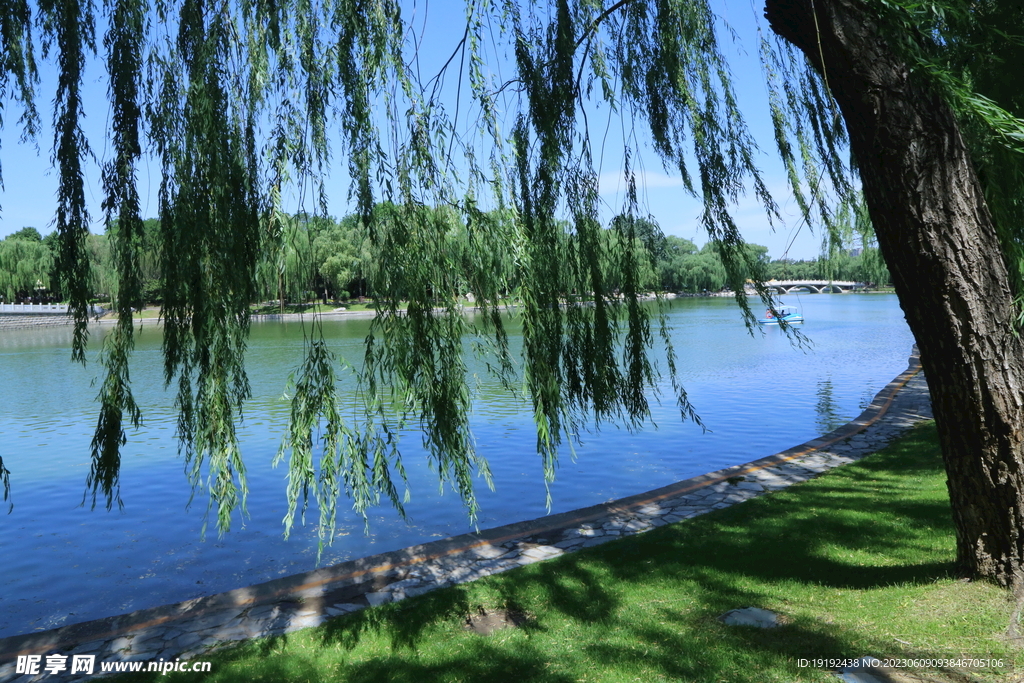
(187, 630)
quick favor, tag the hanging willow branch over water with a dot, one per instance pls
(125, 43)
(69, 31)
(240, 100)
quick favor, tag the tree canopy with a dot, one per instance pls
(26, 264)
(236, 100)
(318, 257)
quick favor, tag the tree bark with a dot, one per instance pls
(938, 239)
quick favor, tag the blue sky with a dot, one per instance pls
(28, 198)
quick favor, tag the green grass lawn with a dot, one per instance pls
(858, 562)
(148, 313)
(353, 305)
(274, 309)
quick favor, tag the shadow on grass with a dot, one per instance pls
(645, 608)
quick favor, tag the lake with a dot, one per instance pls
(64, 563)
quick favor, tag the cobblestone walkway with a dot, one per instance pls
(187, 630)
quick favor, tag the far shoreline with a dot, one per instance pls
(26, 321)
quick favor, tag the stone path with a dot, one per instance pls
(187, 630)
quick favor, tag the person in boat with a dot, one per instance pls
(768, 314)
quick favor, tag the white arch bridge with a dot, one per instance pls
(813, 286)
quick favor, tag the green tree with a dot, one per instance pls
(25, 266)
(935, 138)
(670, 266)
(28, 234)
(363, 263)
(704, 271)
(870, 266)
(487, 236)
(336, 255)
(685, 268)
(637, 241)
(688, 269)
(149, 261)
(103, 281)
(644, 229)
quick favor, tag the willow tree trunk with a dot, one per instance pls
(937, 236)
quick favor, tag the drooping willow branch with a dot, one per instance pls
(241, 100)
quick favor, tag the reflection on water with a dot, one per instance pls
(63, 563)
(829, 416)
(866, 398)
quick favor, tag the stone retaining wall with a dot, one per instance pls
(18, 321)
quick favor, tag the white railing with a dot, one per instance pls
(52, 309)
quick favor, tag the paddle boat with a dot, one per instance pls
(786, 314)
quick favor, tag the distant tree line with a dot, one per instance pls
(316, 257)
(863, 265)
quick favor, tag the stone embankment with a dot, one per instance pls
(189, 629)
(14, 322)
